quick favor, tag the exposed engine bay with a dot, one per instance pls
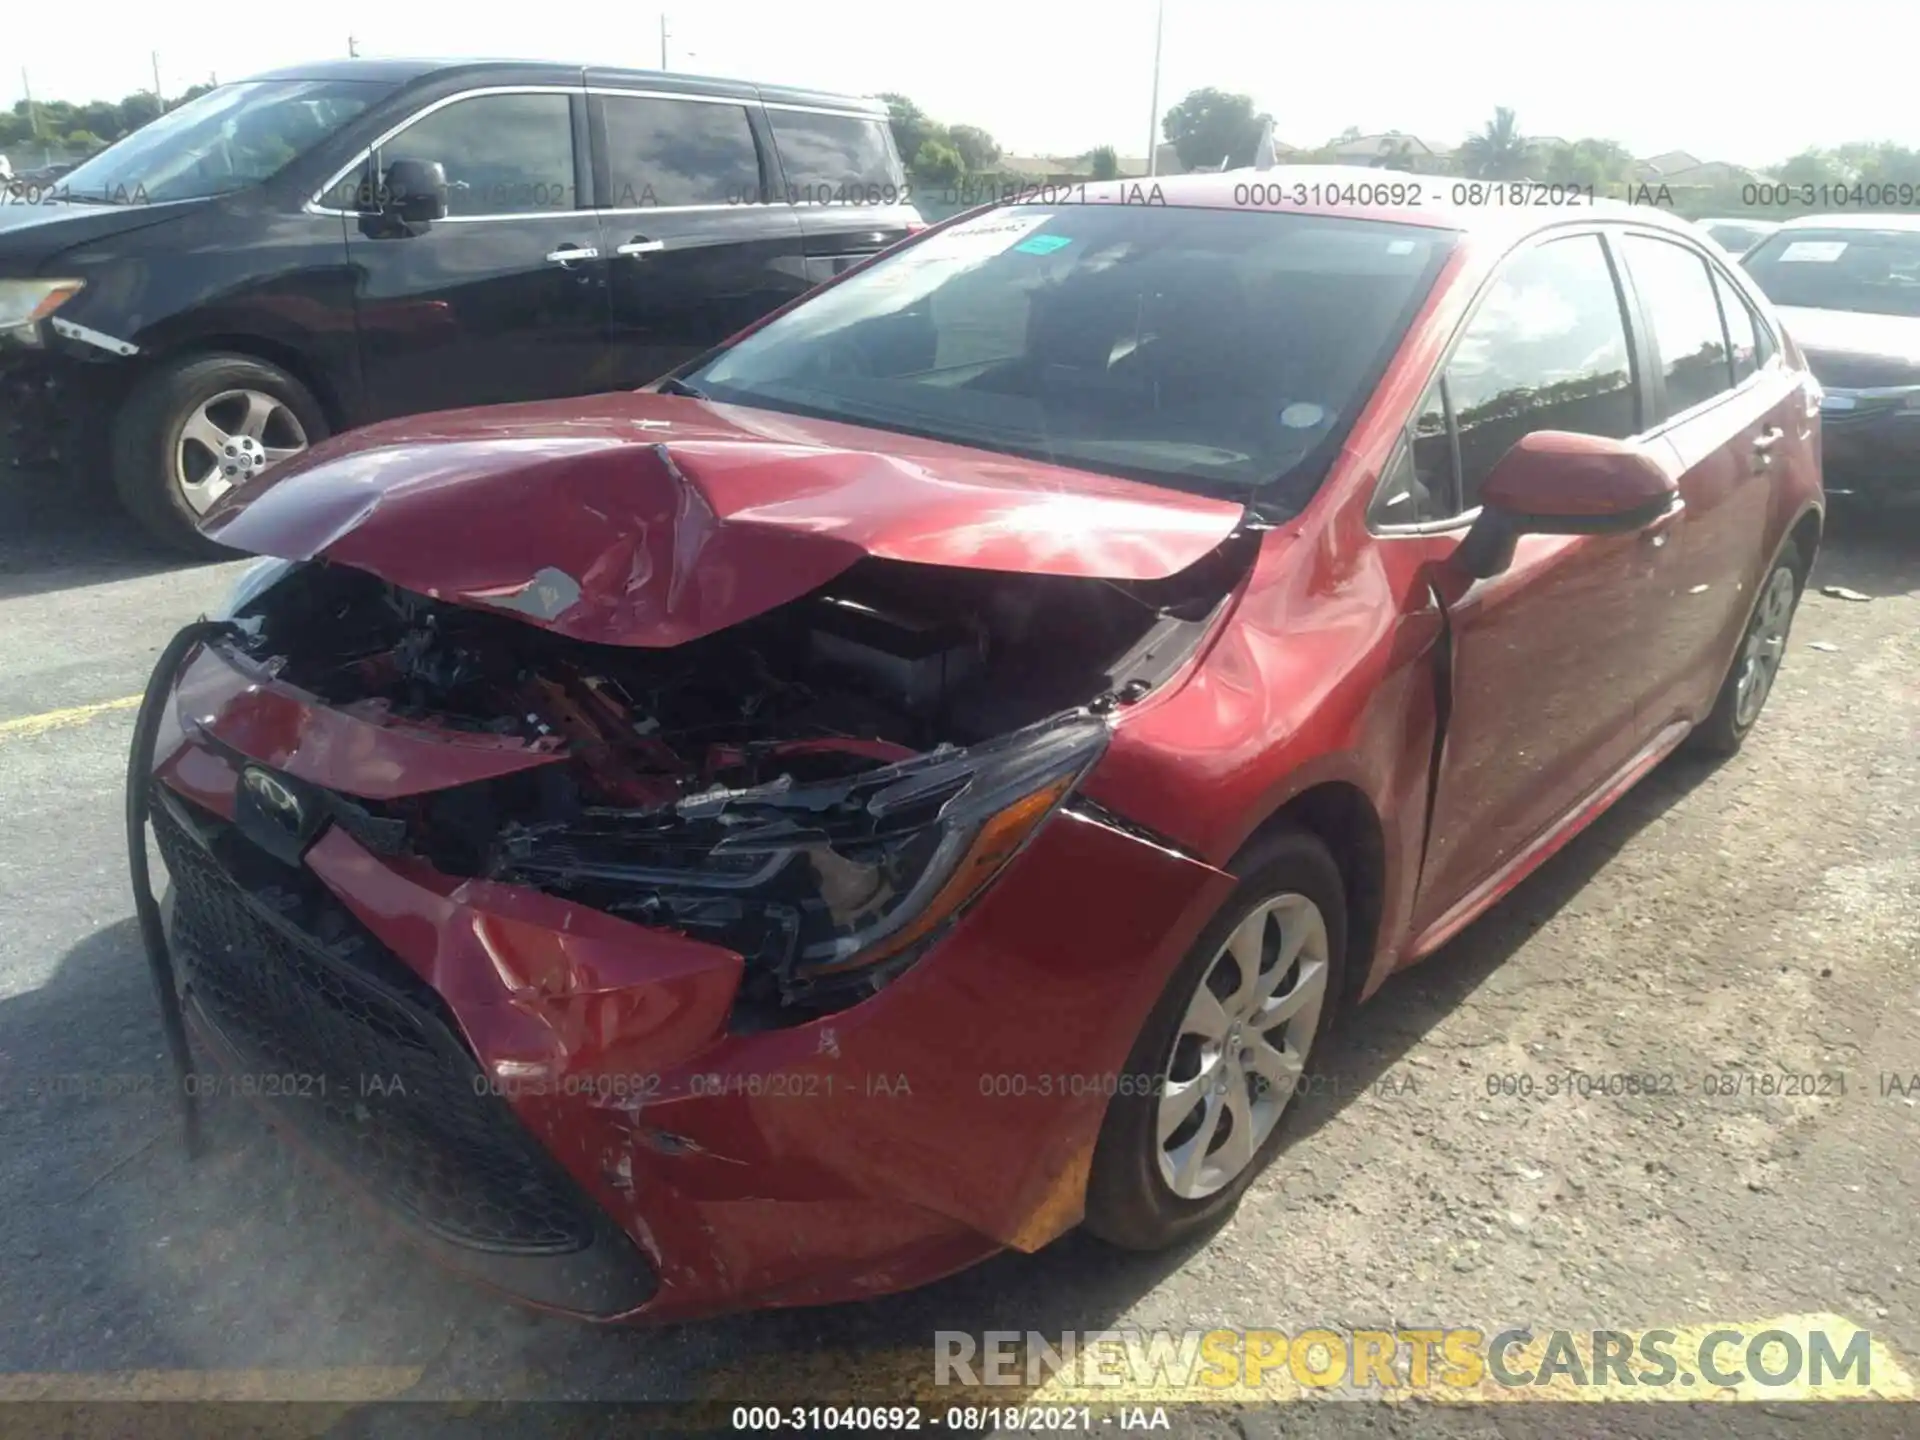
(821, 788)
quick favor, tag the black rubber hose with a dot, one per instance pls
(153, 935)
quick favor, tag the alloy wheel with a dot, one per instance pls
(1765, 645)
(229, 439)
(1242, 1045)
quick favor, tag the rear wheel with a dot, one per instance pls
(1757, 664)
(1223, 1052)
(198, 427)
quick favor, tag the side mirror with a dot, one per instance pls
(1554, 482)
(415, 191)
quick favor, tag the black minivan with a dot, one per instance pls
(339, 243)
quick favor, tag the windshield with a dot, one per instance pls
(1875, 271)
(227, 139)
(1223, 352)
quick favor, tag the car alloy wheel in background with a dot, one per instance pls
(230, 438)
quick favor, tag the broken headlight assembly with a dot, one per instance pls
(254, 581)
(828, 890)
(25, 303)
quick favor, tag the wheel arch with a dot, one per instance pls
(1804, 535)
(278, 353)
(1344, 818)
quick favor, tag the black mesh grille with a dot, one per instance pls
(294, 984)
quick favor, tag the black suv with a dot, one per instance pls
(335, 244)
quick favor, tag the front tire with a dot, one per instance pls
(1223, 1051)
(1756, 665)
(196, 428)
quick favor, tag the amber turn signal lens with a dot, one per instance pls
(995, 843)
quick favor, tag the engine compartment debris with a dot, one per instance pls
(822, 787)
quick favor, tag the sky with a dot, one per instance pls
(1751, 83)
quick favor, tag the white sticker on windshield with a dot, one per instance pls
(1301, 416)
(990, 233)
(1819, 251)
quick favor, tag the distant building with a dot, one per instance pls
(1393, 148)
(1061, 167)
(1663, 166)
(1711, 172)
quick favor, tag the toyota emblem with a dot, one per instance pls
(274, 799)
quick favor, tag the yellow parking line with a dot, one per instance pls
(349, 1383)
(27, 725)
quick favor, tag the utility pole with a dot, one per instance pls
(353, 48)
(663, 39)
(158, 98)
(1153, 127)
(33, 115)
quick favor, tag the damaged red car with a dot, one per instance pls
(922, 777)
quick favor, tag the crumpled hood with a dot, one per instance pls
(643, 519)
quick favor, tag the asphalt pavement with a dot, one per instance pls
(1761, 916)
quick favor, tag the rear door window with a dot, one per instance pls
(679, 152)
(837, 159)
(1676, 290)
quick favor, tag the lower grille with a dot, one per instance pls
(354, 1047)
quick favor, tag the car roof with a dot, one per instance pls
(1495, 208)
(406, 71)
(1854, 220)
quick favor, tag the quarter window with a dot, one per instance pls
(1676, 291)
(1546, 350)
(825, 155)
(679, 152)
(1418, 485)
(504, 154)
(1741, 330)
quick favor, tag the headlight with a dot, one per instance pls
(254, 581)
(25, 303)
(828, 890)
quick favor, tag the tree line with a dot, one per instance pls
(1206, 127)
(1211, 126)
(83, 129)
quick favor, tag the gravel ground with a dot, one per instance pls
(1762, 917)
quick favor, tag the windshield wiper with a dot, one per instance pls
(673, 385)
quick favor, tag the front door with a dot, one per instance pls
(1546, 653)
(694, 249)
(507, 297)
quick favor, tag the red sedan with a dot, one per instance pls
(924, 776)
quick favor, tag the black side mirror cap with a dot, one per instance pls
(415, 191)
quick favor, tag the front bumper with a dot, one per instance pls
(1870, 442)
(53, 402)
(585, 1090)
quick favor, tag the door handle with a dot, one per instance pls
(568, 253)
(1656, 530)
(640, 246)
